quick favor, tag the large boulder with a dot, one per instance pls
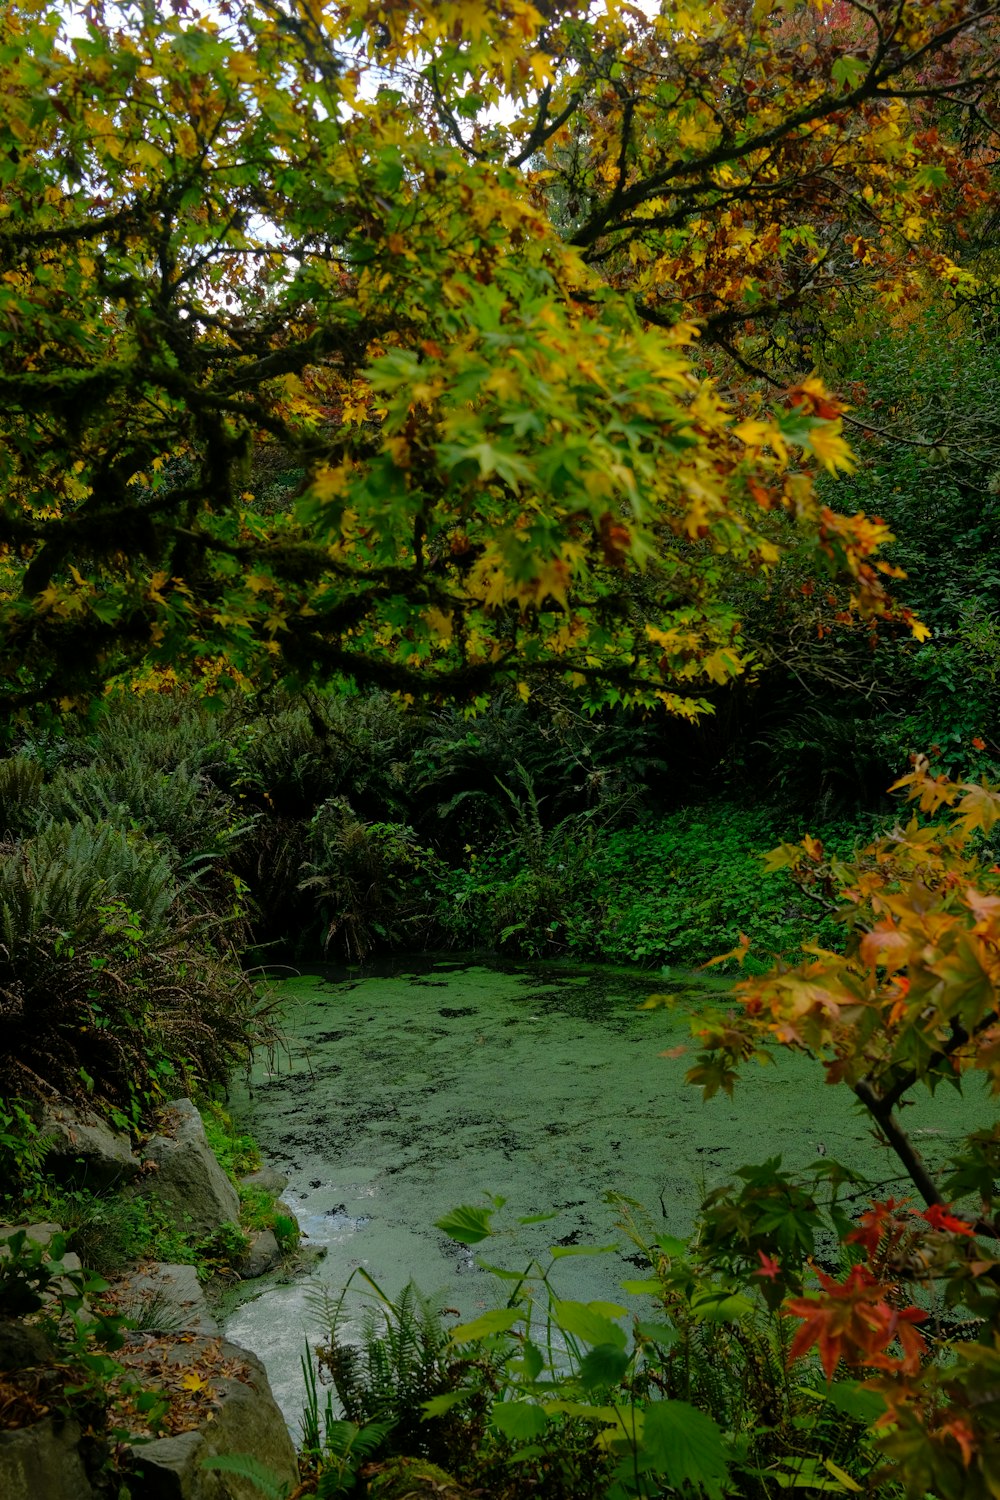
(41, 1460)
(22, 1345)
(243, 1420)
(186, 1178)
(83, 1149)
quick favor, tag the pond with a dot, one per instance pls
(407, 1092)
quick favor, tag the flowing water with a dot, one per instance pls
(408, 1092)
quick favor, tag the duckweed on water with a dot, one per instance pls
(406, 1092)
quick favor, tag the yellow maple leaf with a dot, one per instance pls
(754, 433)
(242, 66)
(827, 443)
(328, 483)
(541, 69)
(439, 623)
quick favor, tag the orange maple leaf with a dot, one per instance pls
(852, 1321)
(939, 1217)
(878, 1223)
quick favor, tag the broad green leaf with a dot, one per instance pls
(560, 1252)
(532, 1362)
(720, 1307)
(849, 71)
(664, 1334)
(520, 1420)
(439, 1406)
(686, 1446)
(499, 1321)
(590, 1321)
(504, 1274)
(853, 1400)
(466, 1224)
(602, 1366)
(671, 1245)
(811, 1473)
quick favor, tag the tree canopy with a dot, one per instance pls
(363, 340)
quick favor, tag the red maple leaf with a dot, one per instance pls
(852, 1321)
(939, 1217)
(878, 1223)
(769, 1267)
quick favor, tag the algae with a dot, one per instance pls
(405, 1093)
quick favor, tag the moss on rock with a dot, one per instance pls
(413, 1479)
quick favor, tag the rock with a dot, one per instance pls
(85, 1151)
(42, 1461)
(51, 1290)
(188, 1181)
(264, 1254)
(162, 1296)
(267, 1178)
(244, 1421)
(22, 1346)
(40, 1234)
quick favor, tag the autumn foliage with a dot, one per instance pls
(446, 267)
(457, 271)
(910, 1004)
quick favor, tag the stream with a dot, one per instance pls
(407, 1091)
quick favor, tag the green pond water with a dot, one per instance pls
(406, 1093)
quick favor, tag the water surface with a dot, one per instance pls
(406, 1093)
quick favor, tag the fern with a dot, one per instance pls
(68, 872)
(21, 779)
(246, 1466)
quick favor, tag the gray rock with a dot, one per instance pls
(39, 1234)
(187, 1180)
(267, 1178)
(22, 1346)
(43, 1234)
(42, 1461)
(245, 1421)
(264, 1254)
(85, 1151)
(162, 1296)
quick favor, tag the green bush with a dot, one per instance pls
(108, 987)
(236, 1151)
(21, 780)
(678, 890)
(22, 1153)
(371, 883)
(109, 1231)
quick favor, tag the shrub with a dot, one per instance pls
(21, 780)
(676, 889)
(107, 987)
(370, 881)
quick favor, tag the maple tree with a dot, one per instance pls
(445, 266)
(913, 1002)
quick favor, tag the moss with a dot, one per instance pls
(412, 1478)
